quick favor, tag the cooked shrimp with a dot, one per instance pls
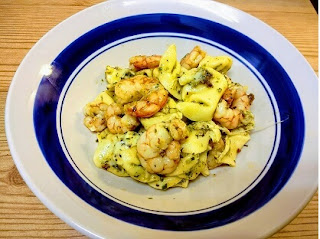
(177, 129)
(236, 97)
(242, 101)
(119, 123)
(159, 147)
(144, 62)
(99, 116)
(134, 88)
(233, 104)
(148, 105)
(228, 96)
(192, 59)
(142, 95)
(95, 119)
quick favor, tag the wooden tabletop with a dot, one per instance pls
(24, 22)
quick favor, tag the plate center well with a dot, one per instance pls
(223, 186)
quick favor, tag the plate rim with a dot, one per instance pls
(9, 136)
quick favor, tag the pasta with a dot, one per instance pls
(164, 122)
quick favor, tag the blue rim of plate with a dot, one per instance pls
(289, 104)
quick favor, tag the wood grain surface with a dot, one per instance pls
(24, 22)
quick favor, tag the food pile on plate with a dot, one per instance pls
(164, 122)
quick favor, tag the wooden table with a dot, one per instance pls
(24, 22)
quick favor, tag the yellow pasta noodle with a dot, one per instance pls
(219, 63)
(200, 135)
(169, 70)
(200, 101)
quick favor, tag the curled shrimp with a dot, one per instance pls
(227, 117)
(143, 96)
(144, 62)
(159, 147)
(95, 119)
(192, 59)
(118, 122)
(234, 102)
(99, 116)
(242, 101)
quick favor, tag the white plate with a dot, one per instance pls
(275, 176)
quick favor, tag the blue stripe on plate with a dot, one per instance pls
(292, 130)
